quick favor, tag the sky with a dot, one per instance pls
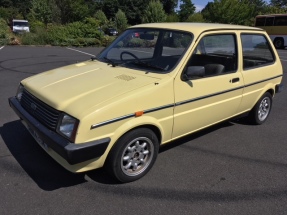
(200, 4)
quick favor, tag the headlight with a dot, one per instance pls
(20, 92)
(68, 127)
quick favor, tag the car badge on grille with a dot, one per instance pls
(33, 106)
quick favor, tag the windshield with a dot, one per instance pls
(20, 24)
(147, 49)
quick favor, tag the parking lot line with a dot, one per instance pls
(80, 51)
(1, 47)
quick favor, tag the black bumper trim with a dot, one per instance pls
(71, 152)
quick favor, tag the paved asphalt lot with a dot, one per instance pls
(231, 168)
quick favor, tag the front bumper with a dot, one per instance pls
(71, 152)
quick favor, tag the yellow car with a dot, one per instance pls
(171, 80)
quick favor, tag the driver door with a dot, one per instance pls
(213, 96)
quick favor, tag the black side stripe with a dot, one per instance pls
(129, 116)
(112, 121)
(178, 103)
(258, 82)
(207, 96)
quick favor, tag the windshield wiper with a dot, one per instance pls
(110, 62)
(139, 62)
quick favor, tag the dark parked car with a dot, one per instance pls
(112, 32)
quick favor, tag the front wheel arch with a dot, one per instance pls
(133, 154)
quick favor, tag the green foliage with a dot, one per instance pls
(23, 7)
(101, 17)
(6, 3)
(234, 11)
(154, 13)
(228, 11)
(121, 21)
(110, 7)
(274, 10)
(84, 33)
(169, 6)
(9, 13)
(196, 17)
(34, 25)
(3, 32)
(279, 3)
(133, 9)
(42, 11)
(187, 8)
(172, 18)
(72, 10)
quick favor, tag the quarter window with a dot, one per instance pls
(256, 51)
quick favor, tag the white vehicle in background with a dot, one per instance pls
(20, 26)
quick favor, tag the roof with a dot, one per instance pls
(267, 15)
(192, 26)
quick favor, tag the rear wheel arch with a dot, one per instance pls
(261, 110)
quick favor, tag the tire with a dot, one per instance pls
(279, 43)
(133, 155)
(261, 110)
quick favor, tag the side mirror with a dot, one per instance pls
(193, 72)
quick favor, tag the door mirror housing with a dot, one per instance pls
(193, 72)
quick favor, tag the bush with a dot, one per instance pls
(84, 33)
(4, 32)
(35, 25)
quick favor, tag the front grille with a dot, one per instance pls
(41, 111)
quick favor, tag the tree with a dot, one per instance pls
(23, 6)
(110, 7)
(169, 5)
(72, 10)
(186, 9)
(172, 18)
(42, 11)
(133, 9)
(196, 17)
(154, 13)
(278, 3)
(9, 13)
(121, 20)
(228, 11)
(274, 10)
(101, 17)
(6, 3)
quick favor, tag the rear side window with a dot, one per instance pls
(256, 51)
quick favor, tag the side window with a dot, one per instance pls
(260, 21)
(256, 51)
(269, 21)
(215, 55)
(280, 21)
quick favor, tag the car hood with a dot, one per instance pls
(85, 85)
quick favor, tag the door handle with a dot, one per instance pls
(234, 80)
